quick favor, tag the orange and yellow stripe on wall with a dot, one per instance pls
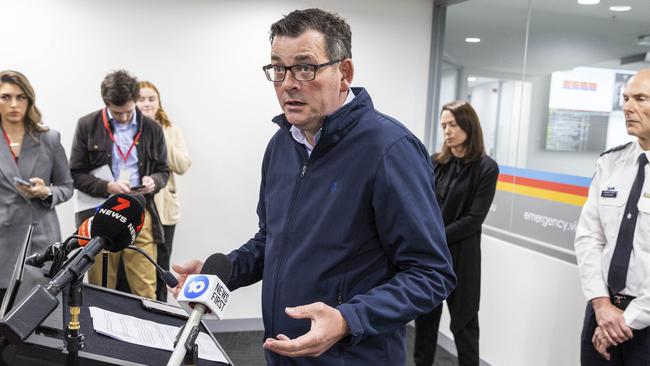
(571, 190)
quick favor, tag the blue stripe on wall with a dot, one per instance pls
(547, 176)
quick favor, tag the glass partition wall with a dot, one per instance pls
(545, 77)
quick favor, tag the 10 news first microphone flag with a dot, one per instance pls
(208, 288)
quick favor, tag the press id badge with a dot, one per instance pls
(124, 175)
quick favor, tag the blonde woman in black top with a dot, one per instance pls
(465, 184)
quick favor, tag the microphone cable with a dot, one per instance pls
(169, 279)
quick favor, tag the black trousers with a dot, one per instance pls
(426, 340)
(164, 255)
(635, 352)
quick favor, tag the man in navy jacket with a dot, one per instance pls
(351, 244)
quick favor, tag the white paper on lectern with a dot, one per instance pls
(85, 201)
(149, 334)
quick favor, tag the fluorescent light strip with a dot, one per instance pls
(620, 8)
(472, 40)
(588, 2)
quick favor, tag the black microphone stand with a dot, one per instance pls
(75, 340)
(105, 268)
(24, 318)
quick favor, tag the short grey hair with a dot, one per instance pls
(338, 36)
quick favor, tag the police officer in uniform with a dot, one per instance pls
(613, 244)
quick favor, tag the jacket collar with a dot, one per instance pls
(29, 155)
(338, 124)
(26, 161)
(138, 119)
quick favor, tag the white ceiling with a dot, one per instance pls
(563, 34)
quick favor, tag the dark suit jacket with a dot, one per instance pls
(92, 148)
(41, 156)
(464, 207)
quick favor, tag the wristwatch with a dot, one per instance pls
(49, 194)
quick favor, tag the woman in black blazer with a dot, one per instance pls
(465, 184)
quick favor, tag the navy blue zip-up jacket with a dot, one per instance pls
(356, 226)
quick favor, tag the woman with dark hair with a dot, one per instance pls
(465, 184)
(34, 174)
(179, 162)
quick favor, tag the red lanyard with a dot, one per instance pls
(110, 134)
(9, 144)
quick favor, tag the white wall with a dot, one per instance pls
(206, 56)
(532, 308)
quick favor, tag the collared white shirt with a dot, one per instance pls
(598, 229)
(124, 135)
(299, 136)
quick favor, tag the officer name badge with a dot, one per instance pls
(610, 192)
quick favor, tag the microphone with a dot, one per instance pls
(169, 279)
(114, 227)
(203, 294)
(78, 241)
(54, 251)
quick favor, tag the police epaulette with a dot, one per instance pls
(617, 148)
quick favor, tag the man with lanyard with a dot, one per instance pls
(612, 243)
(118, 150)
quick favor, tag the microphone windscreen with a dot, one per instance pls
(140, 198)
(169, 279)
(118, 220)
(218, 264)
(85, 231)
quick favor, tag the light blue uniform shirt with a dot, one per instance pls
(124, 135)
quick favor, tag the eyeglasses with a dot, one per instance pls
(300, 72)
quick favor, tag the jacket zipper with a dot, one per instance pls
(303, 172)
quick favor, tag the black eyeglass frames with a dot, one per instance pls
(300, 72)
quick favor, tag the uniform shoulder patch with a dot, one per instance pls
(617, 148)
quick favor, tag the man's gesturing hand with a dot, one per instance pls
(327, 327)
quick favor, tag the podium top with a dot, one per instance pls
(103, 350)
